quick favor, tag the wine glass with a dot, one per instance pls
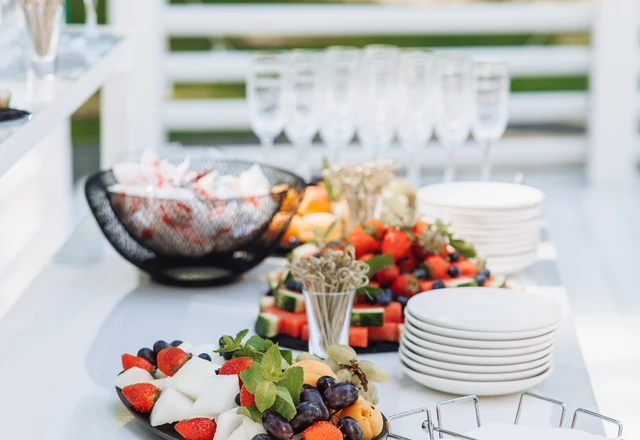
(454, 107)
(90, 19)
(265, 98)
(338, 99)
(415, 105)
(302, 116)
(377, 98)
(491, 84)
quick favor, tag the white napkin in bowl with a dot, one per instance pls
(500, 431)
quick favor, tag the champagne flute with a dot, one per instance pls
(415, 102)
(453, 105)
(491, 84)
(90, 19)
(265, 98)
(338, 98)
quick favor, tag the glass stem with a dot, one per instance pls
(450, 166)
(486, 160)
(267, 149)
(413, 166)
(91, 20)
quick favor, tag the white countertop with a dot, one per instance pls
(61, 344)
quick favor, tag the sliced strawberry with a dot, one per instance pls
(171, 359)
(197, 429)
(130, 361)
(236, 366)
(141, 396)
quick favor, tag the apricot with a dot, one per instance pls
(367, 415)
(315, 199)
(322, 221)
(313, 370)
(292, 231)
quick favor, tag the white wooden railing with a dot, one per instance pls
(609, 110)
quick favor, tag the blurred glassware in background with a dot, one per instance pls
(377, 97)
(44, 20)
(338, 98)
(90, 19)
(415, 106)
(302, 99)
(265, 96)
(11, 33)
(454, 105)
(491, 86)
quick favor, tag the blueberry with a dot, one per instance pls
(227, 356)
(480, 279)
(205, 356)
(403, 300)
(453, 271)
(221, 341)
(160, 345)
(176, 343)
(296, 286)
(238, 399)
(384, 298)
(269, 293)
(453, 257)
(485, 272)
(420, 273)
(148, 354)
(438, 284)
(372, 299)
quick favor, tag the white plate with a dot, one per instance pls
(416, 336)
(509, 266)
(481, 195)
(501, 251)
(510, 219)
(463, 388)
(491, 369)
(480, 344)
(485, 309)
(413, 361)
(476, 360)
(480, 336)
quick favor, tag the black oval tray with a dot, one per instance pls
(299, 344)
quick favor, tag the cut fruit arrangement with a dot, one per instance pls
(237, 390)
(402, 261)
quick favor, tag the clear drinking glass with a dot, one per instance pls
(338, 98)
(302, 99)
(377, 98)
(329, 317)
(90, 19)
(265, 98)
(44, 20)
(454, 107)
(415, 105)
(491, 86)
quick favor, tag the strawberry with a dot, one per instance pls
(437, 266)
(420, 227)
(374, 284)
(388, 275)
(428, 243)
(197, 429)
(372, 227)
(397, 243)
(409, 264)
(171, 359)
(235, 366)
(425, 285)
(130, 361)
(246, 398)
(467, 268)
(405, 285)
(141, 396)
(363, 243)
(365, 257)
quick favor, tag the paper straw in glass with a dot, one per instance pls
(44, 20)
(338, 98)
(491, 85)
(454, 107)
(265, 98)
(329, 318)
(415, 106)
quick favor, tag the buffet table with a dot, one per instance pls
(61, 345)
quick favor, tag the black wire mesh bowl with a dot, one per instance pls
(196, 242)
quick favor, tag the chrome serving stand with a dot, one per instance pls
(435, 427)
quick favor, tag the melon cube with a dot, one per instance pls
(251, 428)
(239, 434)
(217, 396)
(172, 406)
(191, 377)
(133, 376)
(159, 374)
(162, 384)
(227, 422)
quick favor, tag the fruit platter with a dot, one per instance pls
(251, 390)
(403, 261)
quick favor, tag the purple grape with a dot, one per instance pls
(315, 397)
(341, 395)
(148, 354)
(306, 415)
(325, 382)
(261, 437)
(277, 426)
(351, 429)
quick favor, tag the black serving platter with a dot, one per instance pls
(9, 116)
(374, 346)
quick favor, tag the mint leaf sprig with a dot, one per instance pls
(274, 389)
(255, 347)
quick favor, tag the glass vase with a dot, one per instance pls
(329, 318)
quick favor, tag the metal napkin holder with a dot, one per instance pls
(433, 427)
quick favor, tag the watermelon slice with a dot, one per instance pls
(359, 337)
(290, 323)
(393, 313)
(388, 332)
(305, 333)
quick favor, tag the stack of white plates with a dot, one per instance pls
(480, 341)
(502, 220)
